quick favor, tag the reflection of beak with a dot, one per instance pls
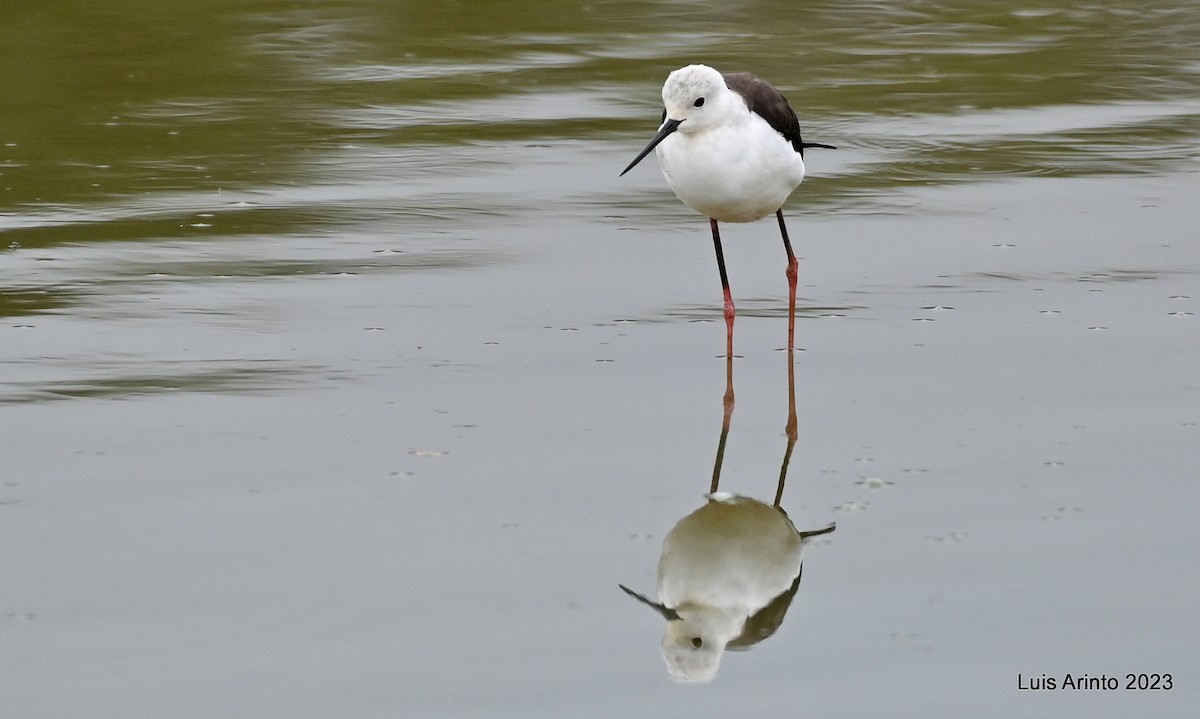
(667, 128)
(668, 613)
(818, 532)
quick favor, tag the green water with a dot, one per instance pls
(114, 103)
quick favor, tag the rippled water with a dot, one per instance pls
(343, 376)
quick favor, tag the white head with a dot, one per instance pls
(694, 639)
(695, 98)
(692, 645)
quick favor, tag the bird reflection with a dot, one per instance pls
(729, 570)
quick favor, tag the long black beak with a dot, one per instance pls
(667, 128)
(668, 613)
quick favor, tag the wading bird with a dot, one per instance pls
(730, 148)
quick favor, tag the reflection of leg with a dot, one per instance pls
(725, 421)
(792, 274)
(729, 309)
(791, 428)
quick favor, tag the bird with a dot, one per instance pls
(730, 148)
(727, 575)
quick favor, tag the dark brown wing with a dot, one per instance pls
(768, 103)
(766, 621)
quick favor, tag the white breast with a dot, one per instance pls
(737, 172)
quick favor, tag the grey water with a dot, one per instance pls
(340, 375)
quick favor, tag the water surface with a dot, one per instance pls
(341, 374)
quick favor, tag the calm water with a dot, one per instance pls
(342, 376)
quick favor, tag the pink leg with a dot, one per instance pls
(792, 275)
(729, 315)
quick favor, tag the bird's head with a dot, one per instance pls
(693, 644)
(694, 99)
(695, 95)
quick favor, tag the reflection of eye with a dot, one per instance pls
(699, 102)
(697, 642)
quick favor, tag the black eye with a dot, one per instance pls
(699, 102)
(697, 642)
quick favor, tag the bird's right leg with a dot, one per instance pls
(726, 417)
(729, 308)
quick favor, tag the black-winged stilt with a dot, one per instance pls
(730, 148)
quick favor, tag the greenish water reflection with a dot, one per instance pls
(238, 378)
(199, 120)
(142, 97)
(14, 303)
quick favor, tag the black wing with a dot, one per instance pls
(768, 103)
